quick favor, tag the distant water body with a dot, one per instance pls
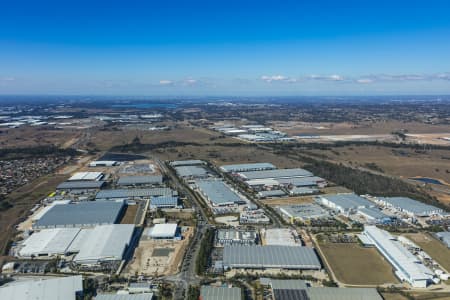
(146, 105)
(427, 180)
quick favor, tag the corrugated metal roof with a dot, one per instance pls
(49, 241)
(248, 167)
(130, 193)
(191, 171)
(220, 293)
(286, 257)
(348, 201)
(301, 181)
(106, 242)
(191, 162)
(145, 179)
(373, 213)
(55, 288)
(279, 173)
(145, 296)
(289, 294)
(164, 201)
(218, 192)
(271, 193)
(80, 214)
(306, 211)
(411, 205)
(80, 185)
(163, 230)
(292, 284)
(328, 293)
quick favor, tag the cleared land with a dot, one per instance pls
(287, 200)
(355, 265)
(158, 257)
(432, 247)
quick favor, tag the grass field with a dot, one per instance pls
(355, 265)
(432, 247)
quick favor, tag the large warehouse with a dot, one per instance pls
(191, 172)
(270, 257)
(83, 214)
(247, 167)
(81, 185)
(191, 162)
(218, 193)
(48, 242)
(56, 288)
(275, 174)
(220, 293)
(106, 243)
(344, 203)
(407, 266)
(134, 193)
(410, 206)
(303, 212)
(140, 180)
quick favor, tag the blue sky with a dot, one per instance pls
(225, 47)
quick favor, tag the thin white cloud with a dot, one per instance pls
(364, 80)
(278, 78)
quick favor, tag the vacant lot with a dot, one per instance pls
(432, 247)
(287, 200)
(355, 265)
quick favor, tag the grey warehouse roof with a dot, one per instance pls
(272, 193)
(191, 162)
(164, 200)
(220, 293)
(306, 211)
(130, 193)
(80, 185)
(248, 167)
(290, 294)
(218, 192)
(135, 180)
(373, 212)
(293, 284)
(348, 201)
(190, 171)
(411, 205)
(146, 296)
(286, 257)
(301, 181)
(276, 174)
(326, 293)
(81, 214)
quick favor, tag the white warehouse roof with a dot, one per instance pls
(86, 176)
(275, 174)
(247, 167)
(107, 242)
(163, 231)
(49, 242)
(55, 288)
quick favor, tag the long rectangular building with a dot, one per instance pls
(344, 203)
(140, 180)
(270, 257)
(407, 266)
(275, 174)
(135, 193)
(83, 214)
(218, 193)
(81, 185)
(247, 167)
(220, 293)
(410, 206)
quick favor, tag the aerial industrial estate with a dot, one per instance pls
(209, 211)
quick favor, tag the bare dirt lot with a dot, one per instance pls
(287, 200)
(351, 264)
(158, 257)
